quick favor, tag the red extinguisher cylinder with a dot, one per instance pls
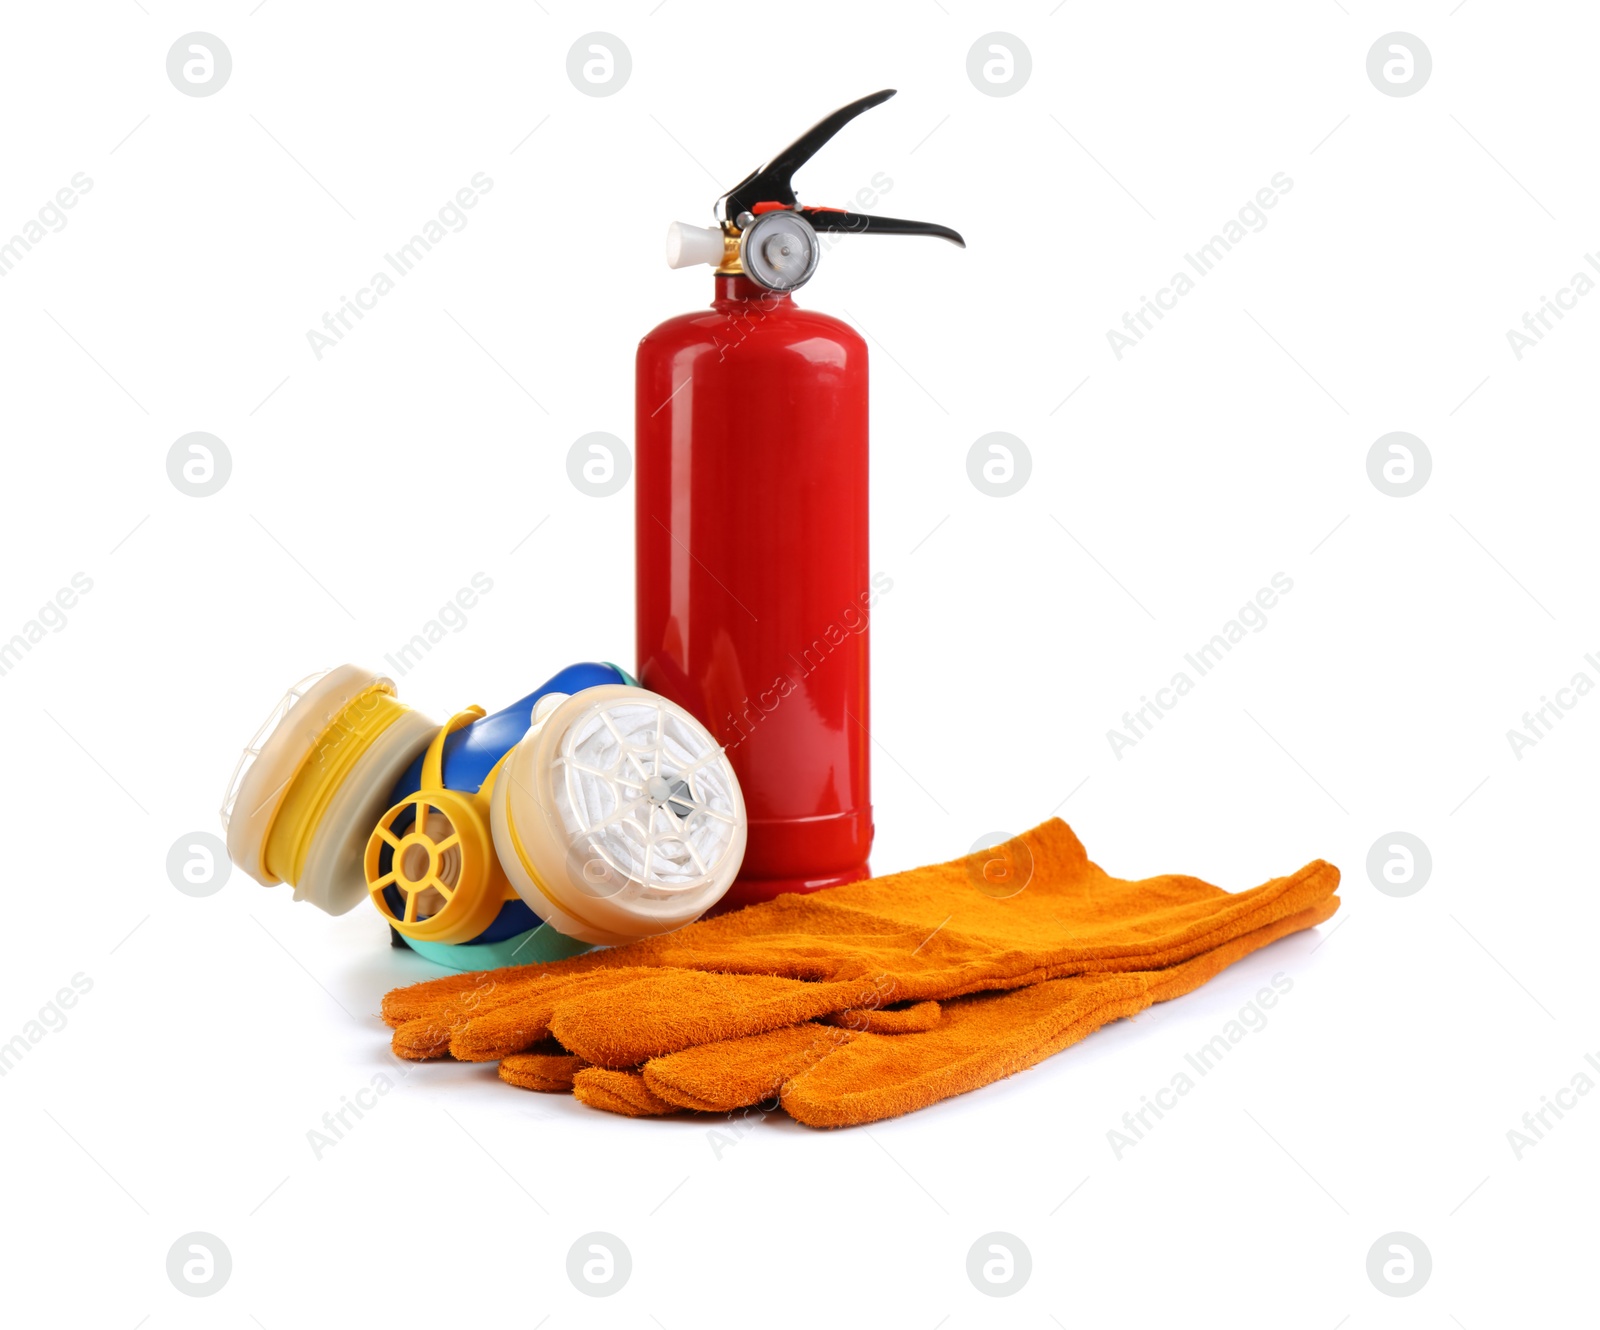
(754, 589)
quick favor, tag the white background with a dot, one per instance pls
(1230, 445)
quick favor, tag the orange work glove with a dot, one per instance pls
(930, 933)
(827, 1076)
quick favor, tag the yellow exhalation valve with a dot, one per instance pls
(436, 850)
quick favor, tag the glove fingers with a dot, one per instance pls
(549, 1072)
(793, 1065)
(619, 1092)
(669, 1010)
(421, 1040)
(415, 1000)
(522, 1022)
(718, 1078)
(428, 1034)
(431, 1034)
(905, 1020)
(980, 1040)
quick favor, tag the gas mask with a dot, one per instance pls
(590, 812)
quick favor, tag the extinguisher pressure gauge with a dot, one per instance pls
(780, 251)
(768, 234)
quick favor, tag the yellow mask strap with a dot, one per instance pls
(433, 760)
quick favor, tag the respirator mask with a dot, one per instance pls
(591, 812)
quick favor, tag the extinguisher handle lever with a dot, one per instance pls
(747, 211)
(773, 182)
(835, 219)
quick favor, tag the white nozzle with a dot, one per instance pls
(688, 245)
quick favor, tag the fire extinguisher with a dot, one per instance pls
(754, 588)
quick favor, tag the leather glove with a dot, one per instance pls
(835, 1076)
(930, 933)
